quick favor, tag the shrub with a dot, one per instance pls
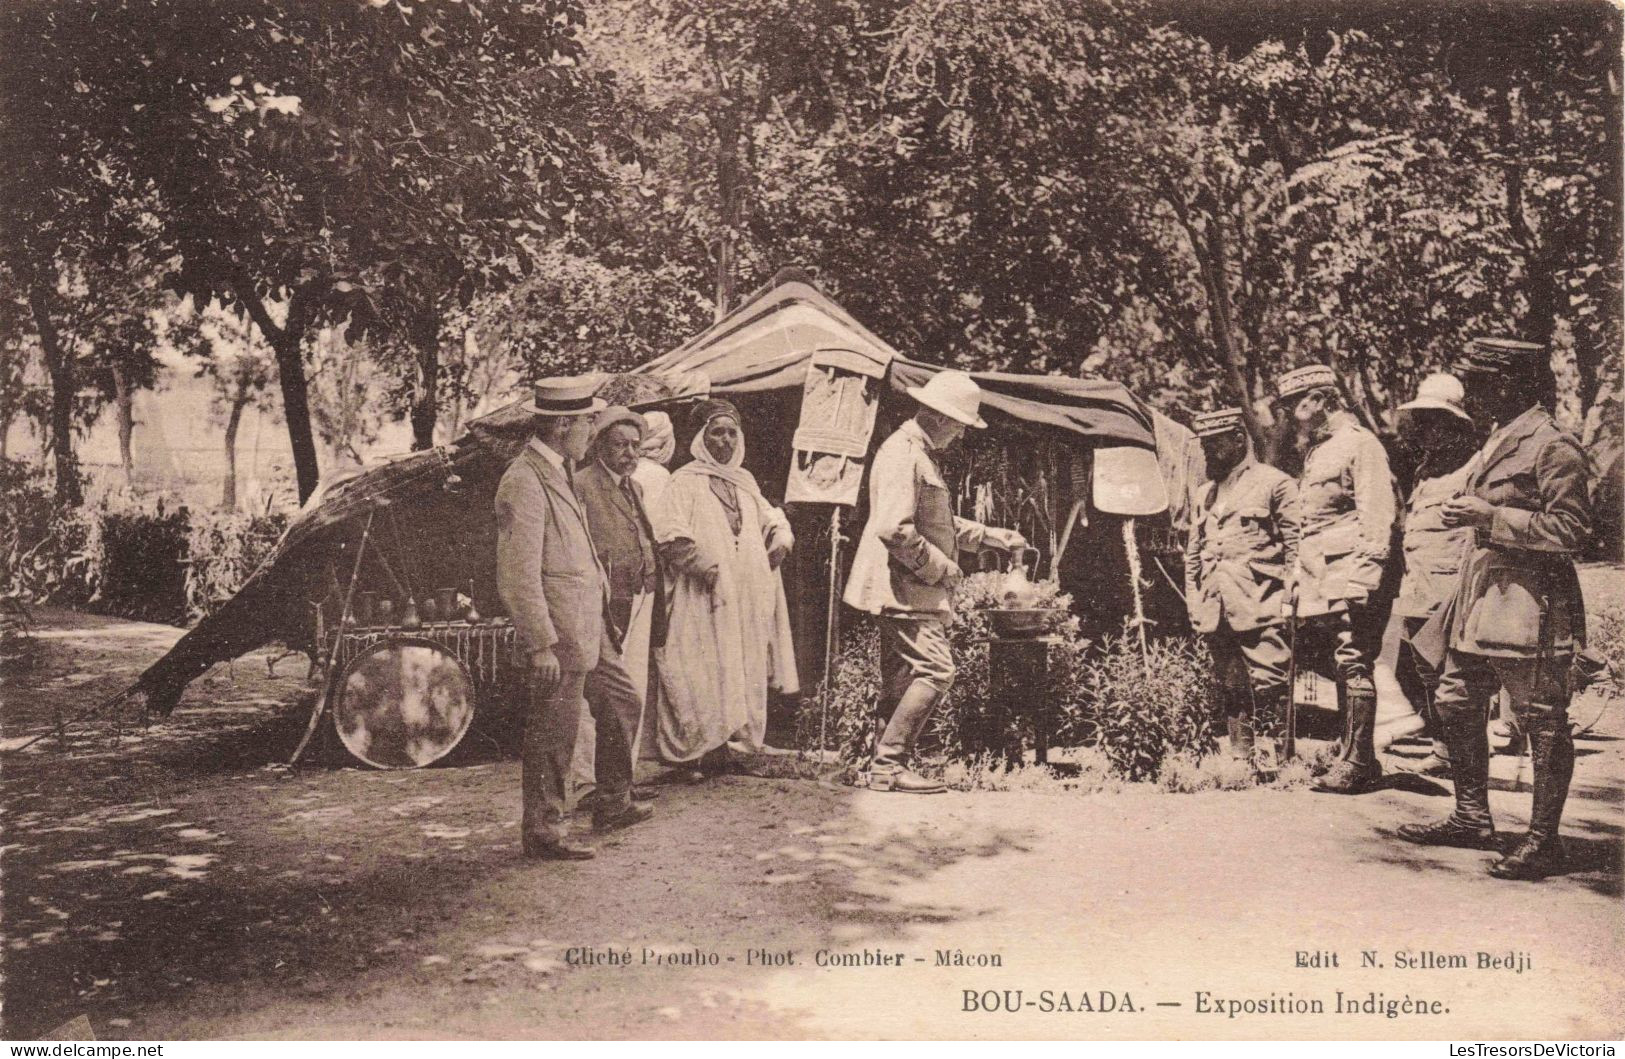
(137, 556)
(1149, 707)
(48, 552)
(223, 549)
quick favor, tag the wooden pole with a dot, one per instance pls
(832, 619)
(333, 653)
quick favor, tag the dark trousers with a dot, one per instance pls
(1345, 644)
(550, 741)
(1249, 665)
(1418, 678)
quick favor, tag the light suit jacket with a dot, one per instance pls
(912, 539)
(1243, 540)
(547, 572)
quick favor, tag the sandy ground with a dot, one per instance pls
(175, 883)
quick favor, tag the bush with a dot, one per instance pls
(48, 552)
(1136, 711)
(141, 557)
(223, 549)
(1148, 708)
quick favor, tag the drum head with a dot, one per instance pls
(403, 703)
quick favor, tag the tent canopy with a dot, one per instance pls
(767, 342)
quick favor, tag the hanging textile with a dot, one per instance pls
(838, 404)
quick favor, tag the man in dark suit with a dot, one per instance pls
(624, 541)
(556, 594)
(1517, 616)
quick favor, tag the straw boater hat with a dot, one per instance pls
(954, 394)
(1212, 424)
(1440, 391)
(572, 396)
(1300, 381)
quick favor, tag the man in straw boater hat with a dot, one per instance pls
(906, 568)
(1243, 541)
(1436, 429)
(1346, 512)
(1517, 617)
(557, 596)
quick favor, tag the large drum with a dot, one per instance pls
(403, 703)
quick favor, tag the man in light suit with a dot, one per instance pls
(557, 595)
(906, 568)
(624, 540)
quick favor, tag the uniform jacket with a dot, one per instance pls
(621, 533)
(547, 572)
(1519, 593)
(1433, 554)
(1346, 515)
(912, 539)
(1243, 540)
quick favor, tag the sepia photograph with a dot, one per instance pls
(812, 520)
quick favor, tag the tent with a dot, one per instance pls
(427, 515)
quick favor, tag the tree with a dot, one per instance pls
(347, 400)
(353, 161)
(242, 367)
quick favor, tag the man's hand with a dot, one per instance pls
(709, 577)
(544, 668)
(775, 556)
(951, 577)
(1467, 511)
(1004, 540)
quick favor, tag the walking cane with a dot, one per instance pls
(1289, 745)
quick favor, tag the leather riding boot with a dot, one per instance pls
(1469, 826)
(1356, 770)
(1551, 750)
(907, 721)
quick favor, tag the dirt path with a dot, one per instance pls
(177, 884)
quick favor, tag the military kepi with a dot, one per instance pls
(575, 395)
(1210, 424)
(1503, 356)
(1301, 380)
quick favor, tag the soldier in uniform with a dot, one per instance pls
(1346, 512)
(1243, 541)
(907, 565)
(1517, 617)
(1436, 428)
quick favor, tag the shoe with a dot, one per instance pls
(634, 813)
(1396, 728)
(589, 801)
(537, 850)
(1450, 832)
(1534, 858)
(905, 781)
(1345, 777)
(1432, 765)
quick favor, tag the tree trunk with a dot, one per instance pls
(287, 343)
(125, 404)
(239, 401)
(425, 399)
(59, 365)
(728, 201)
